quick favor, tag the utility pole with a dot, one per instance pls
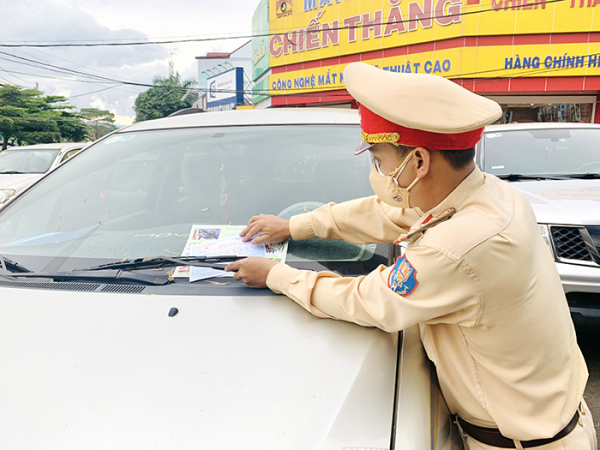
(171, 66)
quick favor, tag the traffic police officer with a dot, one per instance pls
(475, 275)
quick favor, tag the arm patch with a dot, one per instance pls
(403, 277)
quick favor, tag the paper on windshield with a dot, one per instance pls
(221, 247)
(219, 240)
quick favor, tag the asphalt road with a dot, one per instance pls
(590, 346)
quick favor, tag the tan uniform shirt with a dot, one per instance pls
(489, 302)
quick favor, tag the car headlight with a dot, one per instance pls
(6, 194)
(545, 232)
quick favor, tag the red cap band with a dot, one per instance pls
(378, 129)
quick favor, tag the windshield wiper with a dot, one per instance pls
(118, 272)
(11, 172)
(158, 262)
(111, 276)
(15, 270)
(12, 266)
(518, 176)
(586, 176)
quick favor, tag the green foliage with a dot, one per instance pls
(71, 128)
(29, 117)
(99, 121)
(164, 98)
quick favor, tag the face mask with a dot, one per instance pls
(386, 186)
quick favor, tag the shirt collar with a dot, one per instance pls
(457, 198)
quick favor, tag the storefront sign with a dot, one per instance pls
(463, 62)
(260, 43)
(225, 90)
(320, 29)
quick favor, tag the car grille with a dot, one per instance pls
(569, 244)
(595, 235)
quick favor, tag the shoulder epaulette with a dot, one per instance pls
(429, 222)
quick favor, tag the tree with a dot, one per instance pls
(99, 121)
(72, 129)
(27, 116)
(167, 96)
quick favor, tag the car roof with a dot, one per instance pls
(272, 116)
(540, 126)
(56, 146)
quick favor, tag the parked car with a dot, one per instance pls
(557, 167)
(20, 167)
(134, 357)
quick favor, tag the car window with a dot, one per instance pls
(138, 194)
(26, 161)
(69, 154)
(548, 151)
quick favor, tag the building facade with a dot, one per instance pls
(225, 79)
(540, 59)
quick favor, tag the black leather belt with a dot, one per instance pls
(493, 437)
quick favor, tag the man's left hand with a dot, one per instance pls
(252, 271)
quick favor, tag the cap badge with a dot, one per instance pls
(380, 138)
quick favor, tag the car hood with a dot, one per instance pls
(99, 370)
(17, 181)
(565, 202)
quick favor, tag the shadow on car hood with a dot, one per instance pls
(563, 201)
(98, 371)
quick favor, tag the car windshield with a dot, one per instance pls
(551, 151)
(26, 161)
(138, 194)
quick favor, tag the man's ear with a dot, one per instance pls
(423, 160)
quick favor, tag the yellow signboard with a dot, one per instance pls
(310, 30)
(484, 63)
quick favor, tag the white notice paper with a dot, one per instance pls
(228, 246)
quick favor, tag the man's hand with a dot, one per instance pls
(274, 229)
(252, 271)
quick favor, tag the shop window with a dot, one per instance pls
(565, 112)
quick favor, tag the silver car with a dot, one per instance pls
(20, 167)
(557, 167)
(131, 355)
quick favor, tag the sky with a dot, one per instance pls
(113, 20)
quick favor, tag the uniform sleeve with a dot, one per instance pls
(362, 221)
(440, 290)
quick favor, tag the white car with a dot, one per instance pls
(129, 356)
(557, 167)
(20, 167)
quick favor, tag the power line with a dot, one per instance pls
(43, 65)
(91, 77)
(308, 92)
(104, 43)
(93, 92)
(314, 93)
(54, 78)
(14, 76)
(53, 56)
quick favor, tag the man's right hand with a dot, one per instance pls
(274, 229)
